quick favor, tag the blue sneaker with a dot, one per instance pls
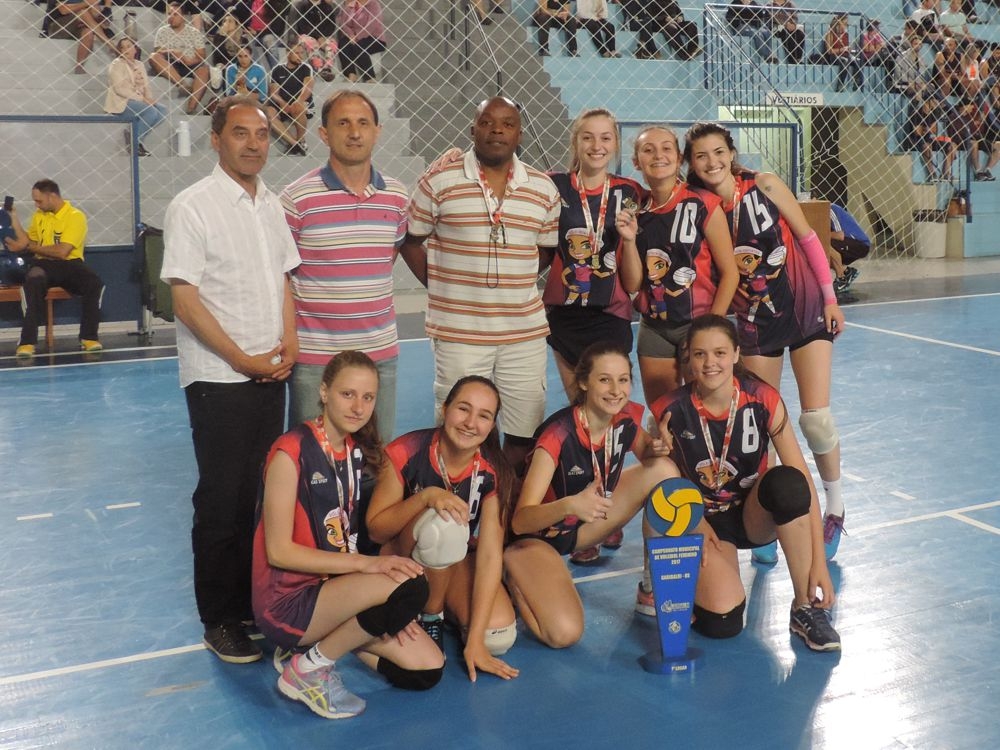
(766, 555)
(833, 527)
(321, 690)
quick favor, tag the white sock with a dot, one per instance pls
(314, 660)
(834, 502)
(431, 616)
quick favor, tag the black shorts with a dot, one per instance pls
(573, 329)
(183, 69)
(728, 526)
(564, 543)
(286, 620)
(823, 335)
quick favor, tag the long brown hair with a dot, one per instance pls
(367, 438)
(700, 130)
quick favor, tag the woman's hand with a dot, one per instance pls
(448, 505)
(834, 318)
(478, 657)
(711, 543)
(820, 581)
(590, 504)
(627, 225)
(662, 442)
(399, 569)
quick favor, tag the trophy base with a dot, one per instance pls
(655, 663)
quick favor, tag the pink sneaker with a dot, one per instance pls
(644, 602)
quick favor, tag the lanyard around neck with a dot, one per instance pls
(596, 235)
(718, 463)
(346, 499)
(601, 479)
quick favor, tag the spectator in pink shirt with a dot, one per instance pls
(362, 34)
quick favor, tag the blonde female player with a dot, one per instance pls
(311, 588)
(435, 480)
(577, 490)
(785, 298)
(720, 427)
(677, 254)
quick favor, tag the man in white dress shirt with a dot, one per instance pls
(228, 252)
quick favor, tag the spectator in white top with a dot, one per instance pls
(179, 53)
(954, 23)
(593, 16)
(927, 18)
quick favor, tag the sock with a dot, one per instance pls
(834, 502)
(314, 660)
(431, 617)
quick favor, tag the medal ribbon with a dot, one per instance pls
(596, 235)
(443, 470)
(496, 215)
(601, 479)
(718, 463)
(346, 502)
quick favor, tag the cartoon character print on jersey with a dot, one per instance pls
(586, 264)
(755, 287)
(657, 268)
(710, 479)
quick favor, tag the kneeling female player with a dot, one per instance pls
(310, 586)
(576, 491)
(435, 482)
(720, 425)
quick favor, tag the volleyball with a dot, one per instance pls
(674, 507)
(684, 276)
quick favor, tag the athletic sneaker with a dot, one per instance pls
(586, 556)
(321, 690)
(814, 626)
(614, 540)
(434, 627)
(280, 658)
(25, 351)
(843, 283)
(231, 644)
(766, 555)
(91, 345)
(833, 527)
(645, 604)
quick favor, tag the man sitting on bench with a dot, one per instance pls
(55, 237)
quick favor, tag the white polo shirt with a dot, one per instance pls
(236, 251)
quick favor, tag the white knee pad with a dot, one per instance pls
(499, 640)
(819, 429)
(440, 543)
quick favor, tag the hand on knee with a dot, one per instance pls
(400, 608)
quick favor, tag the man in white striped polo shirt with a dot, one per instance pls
(490, 223)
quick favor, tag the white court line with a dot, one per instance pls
(854, 477)
(604, 576)
(927, 340)
(34, 517)
(921, 299)
(19, 678)
(119, 506)
(974, 522)
(925, 517)
(902, 495)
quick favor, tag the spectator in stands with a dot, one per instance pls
(317, 30)
(745, 17)
(179, 53)
(784, 26)
(228, 36)
(290, 100)
(361, 35)
(875, 50)
(947, 72)
(666, 17)
(556, 13)
(129, 92)
(83, 21)
(193, 9)
(910, 72)
(991, 128)
(953, 22)
(217, 9)
(973, 114)
(593, 16)
(837, 51)
(989, 68)
(923, 134)
(55, 237)
(244, 77)
(927, 18)
(268, 24)
(971, 72)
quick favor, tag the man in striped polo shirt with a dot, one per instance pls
(347, 221)
(490, 223)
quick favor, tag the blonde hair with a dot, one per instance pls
(577, 126)
(647, 128)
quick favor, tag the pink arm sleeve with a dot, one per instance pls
(820, 265)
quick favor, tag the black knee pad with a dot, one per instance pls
(404, 603)
(715, 625)
(409, 679)
(784, 493)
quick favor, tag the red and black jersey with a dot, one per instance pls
(779, 301)
(414, 458)
(746, 459)
(564, 437)
(326, 511)
(680, 279)
(598, 274)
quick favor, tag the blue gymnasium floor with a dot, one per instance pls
(102, 643)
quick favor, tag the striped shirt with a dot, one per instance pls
(347, 242)
(478, 291)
